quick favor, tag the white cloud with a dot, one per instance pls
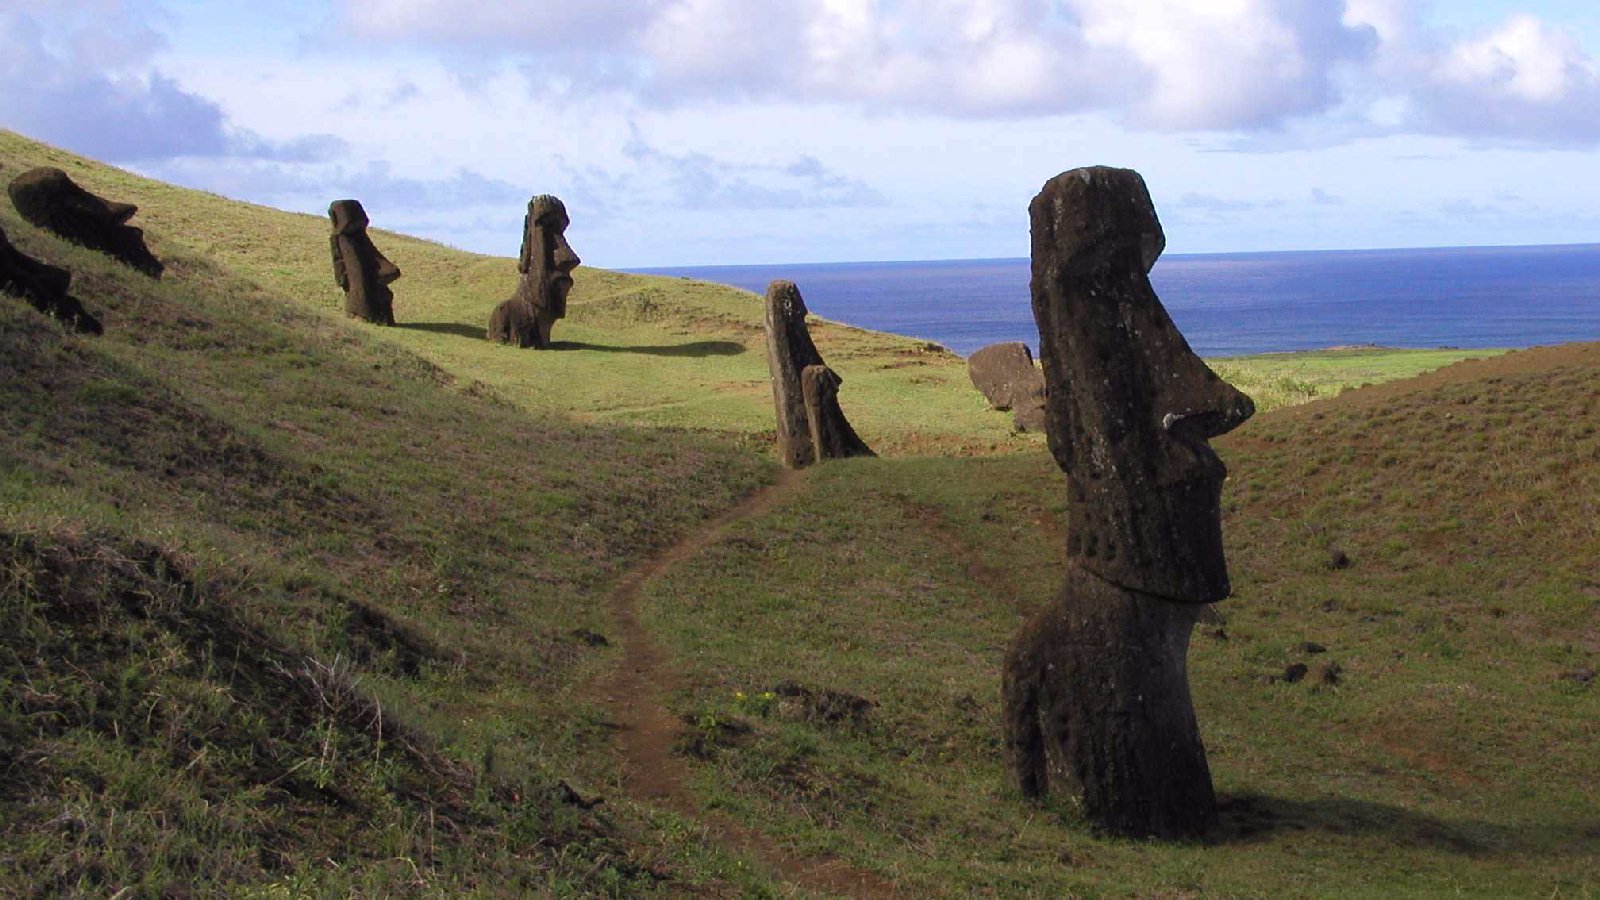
(78, 73)
(1523, 80)
(1166, 64)
(1240, 66)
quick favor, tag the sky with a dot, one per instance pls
(706, 132)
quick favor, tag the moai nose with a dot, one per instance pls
(1215, 408)
(564, 258)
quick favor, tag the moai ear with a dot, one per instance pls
(525, 257)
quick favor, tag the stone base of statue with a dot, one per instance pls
(1097, 711)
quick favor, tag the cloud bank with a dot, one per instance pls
(1161, 65)
(78, 73)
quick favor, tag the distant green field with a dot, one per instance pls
(1284, 379)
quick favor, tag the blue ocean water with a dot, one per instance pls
(1229, 304)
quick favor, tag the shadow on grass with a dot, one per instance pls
(1247, 818)
(693, 348)
(456, 328)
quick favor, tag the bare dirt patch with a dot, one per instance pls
(646, 731)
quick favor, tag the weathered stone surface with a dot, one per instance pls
(1095, 692)
(44, 287)
(48, 199)
(1003, 373)
(1097, 710)
(831, 434)
(359, 268)
(1028, 409)
(546, 264)
(790, 352)
(1131, 406)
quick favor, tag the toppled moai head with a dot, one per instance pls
(348, 216)
(547, 258)
(1130, 407)
(48, 199)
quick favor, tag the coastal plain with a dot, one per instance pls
(296, 606)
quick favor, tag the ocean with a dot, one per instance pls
(1232, 304)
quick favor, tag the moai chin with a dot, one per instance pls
(359, 268)
(546, 264)
(1096, 690)
(48, 199)
(811, 425)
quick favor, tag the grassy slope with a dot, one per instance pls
(382, 512)
(1455, 753)
(341, 527)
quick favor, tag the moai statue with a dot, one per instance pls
(48, 199)
(1008, 379)
(44, 287)
(359, 268)
(1096, 688)
(805, 392)
(546, 265)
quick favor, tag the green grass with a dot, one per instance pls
(1288, 379)
(293, 605)
(1453, 755)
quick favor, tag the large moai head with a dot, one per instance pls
(348, 216)
(1130, 408)
(48, 199)
(547, 259)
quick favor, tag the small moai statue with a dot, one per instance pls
(805, 392)
(48, 199)
(1095, 691)
(359, 268)
(1008, 379)
(546, 264)
(44, 287)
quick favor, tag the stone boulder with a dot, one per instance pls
(48, 199)
(44, 287)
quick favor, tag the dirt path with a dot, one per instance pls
(636, 692)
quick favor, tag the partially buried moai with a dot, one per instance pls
(48, 199)
(1096, 690)
(805, 392)
(546, 264)
(44, 287)
(358, 267)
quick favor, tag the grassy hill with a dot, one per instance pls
(296, 606)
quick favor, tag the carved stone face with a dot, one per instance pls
(348, 216)
(546, 255)
(1130, 407)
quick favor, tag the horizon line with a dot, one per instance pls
(646, 270)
